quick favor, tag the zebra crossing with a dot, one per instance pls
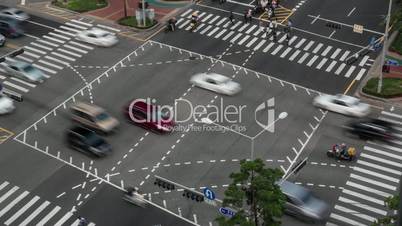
(375, 177)
(52, 53)
(311, 53)
(19, 207)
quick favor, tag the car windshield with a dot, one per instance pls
(102, 116)
(33, 72)
(163, 115)
(94, 140)
(305, 196)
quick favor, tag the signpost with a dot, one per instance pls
(227, 212)
(209, 197)
(358, 28)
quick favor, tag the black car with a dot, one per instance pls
(372, 129)
(87, 141)
(10, 27)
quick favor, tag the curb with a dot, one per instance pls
(51, 6)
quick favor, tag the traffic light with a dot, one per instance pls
(164, 184)
(193, 195)
(333, 25)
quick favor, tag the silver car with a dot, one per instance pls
(301, 203)
(15, 13)
(23, 71)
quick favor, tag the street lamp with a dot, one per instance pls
(282, 115)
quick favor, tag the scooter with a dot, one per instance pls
(351, 154)
(132, 196)
(193, 25)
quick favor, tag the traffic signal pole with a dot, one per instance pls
(384, 48)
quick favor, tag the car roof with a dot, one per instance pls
(217, 77)
(82, 130)
(98, 31)
(89, 108)
(292, 189)
(11, 10)
(346, 98)
(17, 63)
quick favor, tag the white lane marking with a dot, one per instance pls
(15, 86)
(8, 193)
(363, 61)
(54, 39)
(44, 68)
(312, 60)
(62, 56)
(332, 34)
(286, 52)
(35, 213)
(277, 50)
(382, 160)
(268, 47)
(360, 75)
(234, 26)
(340, 68)
(69, 52)
(108, 28)
(337, 51)
(292, 40)
(76, 49)
(326, 51)
(83, 23)
(228, 35)
(315, 19)
(207, 17)
(329, 68)
(355, 213)
(235, 38)
(64, 219)
(308, 46)
(379, 175)
(243, 27)
(187, 12)
(371, 181)
(24, 59)
(318, 47)
(243, 40)
(368, 189)
(13, 203)
(59, 36)
(322, 62)
(362, 206)
(294, 55)
(220, 33)
(64, 32)
(257, 47)
(365, 197)
(345, 219)
(213, 20)
(50, 64)
(48, 216)
(23, 82)
(351, 11)
(213, 31)
(56, 60)
(345, 54)
(391, 114)
(41, 46)
(47, 43)
(76, 26)
(377, 151)
(31, 54)
(206, 29)
(250, 43)
(35, 50)
(21, 211)
(351, 69)
(70, 29)
(304, 57)
(221, 21)
(251, 28)
(300, 43)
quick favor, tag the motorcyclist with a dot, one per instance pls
(194, 18)
(172, 24)
(343, 150)
(131, 191)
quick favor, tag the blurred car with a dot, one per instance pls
(372, 129)
(10, 27)
(94, 117)
(301, 203)
(216, 82)
(23, 70)
(6, 104)
(149, 116)
(15, 13)
(2, 40)
(343, 104)
(87, 141)
(97, 37)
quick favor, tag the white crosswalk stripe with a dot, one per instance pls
(76, 49)
(244, 39)
(346, 220)
(294, 55)
(228, 35)
(355, 213)
(24, 59)
(282, 39)
(54, 39)
(277, 50)
(312, 60)
(300, 43)
(292, 40)
(213, 31)
(64, 32)
(337, 51)
(242, 27)
(50, 64)
(326, 51)
(363, 61)
(362, 206)
(286, 52)
(340, 68)
(59, 36)
(374, 182)
(345, 55)
(82, 23)
(13, 203)
(22, 89)
(49, 216)
(360, 75)
(35, 213)
(221, 21)
(350, 71)
(47, 43)
(250, 29)
(69, 52)
(318, 47)
(368, 189)
(220, 33)
(308, 46)
(23, 82)
(250, 43)
(268, 47)
(44, 68)
(41, 46)
(56, 60)
(76, 26)
(235, 38)
(21, 211)
(63, 56)
(322, 62)
(258, 46)
(214, 19)
(236, 25)
(70, 29)
(206, 29)
(304, 57)
(329, 68)
(206, 18)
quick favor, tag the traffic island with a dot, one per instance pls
(80, 6)
(132, 21)
(391, 88)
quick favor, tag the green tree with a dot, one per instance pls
(393, 204)
(256, 196)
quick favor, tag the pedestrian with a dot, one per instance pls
(222, 1)
(287, 37)
(290, 24)
(270, 27)
(269, 13)
(231, 17)
(82, 221)
(249, 15)
(274, 29)
(245, 16)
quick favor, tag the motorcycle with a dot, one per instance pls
(193, 25)
(132, 196)
(336, 153)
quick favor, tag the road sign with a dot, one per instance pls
(209, 194)
(227, 212)
(358, 28)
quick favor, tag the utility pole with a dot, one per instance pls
(384, 49)
(125, 8)
(143, 11)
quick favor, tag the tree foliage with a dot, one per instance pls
(393, 204)
(256, 196)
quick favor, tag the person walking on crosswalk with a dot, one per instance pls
(82, 221)
(274, 29)
(231, 17)
(248, 15)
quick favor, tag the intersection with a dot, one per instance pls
(45, 182)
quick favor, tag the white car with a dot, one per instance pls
(216, 82)
(6, 105)
(15, 13)
(343, 104)
(97, 37)
(23, 71)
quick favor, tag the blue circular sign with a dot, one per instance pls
(209, 194)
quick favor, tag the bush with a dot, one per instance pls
(391, 87)
(81, 5)
(131, 21)
(397, 44)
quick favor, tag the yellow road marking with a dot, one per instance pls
(350, 86)
(12, 46)
(5, 135)
(291, 13)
